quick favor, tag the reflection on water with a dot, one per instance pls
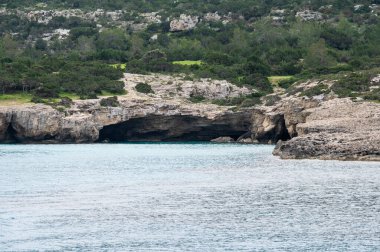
(183, 197)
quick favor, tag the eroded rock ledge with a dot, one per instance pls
(331, 129)
(134, 120)
(322, 127)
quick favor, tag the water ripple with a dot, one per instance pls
(183, 197)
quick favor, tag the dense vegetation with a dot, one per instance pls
(245, 51)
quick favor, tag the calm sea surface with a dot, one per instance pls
(183, 197)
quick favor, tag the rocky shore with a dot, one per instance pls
(164, 115)
(322, 127)
(337, 129)
(133, 120)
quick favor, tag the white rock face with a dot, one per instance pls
(358, 7)
(45, 16)
(154, 37)
(375, 8)
(61, 34)
(3, 11)
(376, 79)
(278, 16)
(326, 8)
(212, 17)
(276, 12)
(309, 15)
(165, 86)
(151, 17)
(184, 23)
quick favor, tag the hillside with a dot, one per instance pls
(51, 49)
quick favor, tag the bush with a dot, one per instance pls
(340, 68)
(46, 92)
(144, 88)
(285, 84)
(36, 99)
(90, 95)
(373, 96)
(109, 102)
(260, 82)
(317, 90)
(196, 98)
(271, 100)
(243, 101)
(66, 102)
(352, 84)
(250, 102)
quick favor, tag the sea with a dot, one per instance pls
(183, 197)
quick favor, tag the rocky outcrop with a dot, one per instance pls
(338, 129)
(135, 119)
(184, 23)
(223, 140)
(315, 128)
(279, 122)
(165, 115)
(166, 87)
(308, 15)
(322, 127)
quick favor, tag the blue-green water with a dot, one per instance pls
(183, 197)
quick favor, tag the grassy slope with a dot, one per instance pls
(188, 62)
(14, 99)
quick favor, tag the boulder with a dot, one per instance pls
(223, 140)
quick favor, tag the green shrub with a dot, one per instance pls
(352, 85)
(317, 90)
(36, 99)
(109, 102)
(144, 88)
(188, 78)
(60, 109)
(340, 68)
(66, 102)
(250, 102)
(90, 95)
(46, 92)
(196, 98)
(243, 101)
(286, 83)
(259, 82)
(271, 100)
(373, 96)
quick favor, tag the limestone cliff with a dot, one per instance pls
(338, 129)
(320, 128)
(323, 127)
(165, 115)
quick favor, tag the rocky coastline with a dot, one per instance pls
(326, 128)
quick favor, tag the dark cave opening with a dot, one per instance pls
(175, 128)
(275, 134)
(10, 135)
(283, 133)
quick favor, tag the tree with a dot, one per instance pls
(112, 39)
(40, 45)
(318, 56)
(155, 60)
(85, 45)
(10, 48)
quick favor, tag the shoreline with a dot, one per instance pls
(325, 158)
